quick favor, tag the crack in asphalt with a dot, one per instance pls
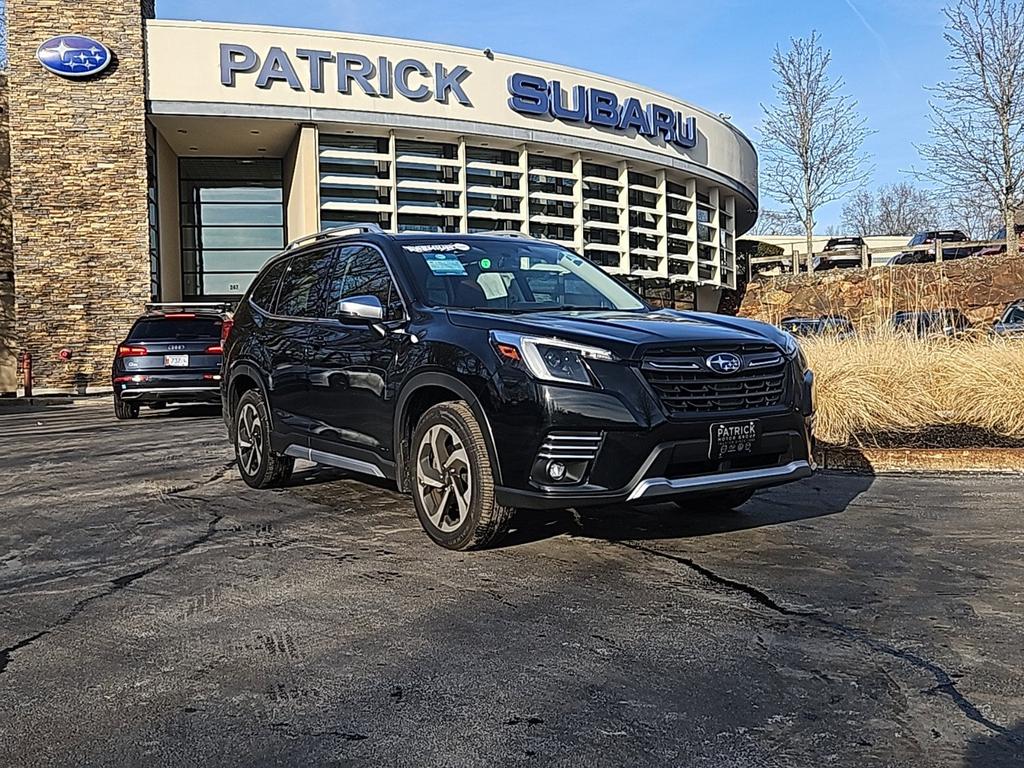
(944, 681)
(117, 584)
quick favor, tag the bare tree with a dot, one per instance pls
(894, 209)
(812, 137)
(904, 209)
(977, 116)
(770, 222)
(860, 214)
(974, 212)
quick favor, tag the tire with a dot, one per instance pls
(123, 410)
(258, 465)
(723, 501)
(452, 480)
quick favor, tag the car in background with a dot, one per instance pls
(840, 253)
(1011, 323)
(928, 238)
(996, 250)
(172, 354)
(949, 323)
(825, 325)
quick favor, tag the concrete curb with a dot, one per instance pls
(25, 403)
(921, 459)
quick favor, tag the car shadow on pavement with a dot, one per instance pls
(197, 411)
(827, 493)
(1000, 750)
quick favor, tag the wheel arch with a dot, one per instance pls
(244, 377)
(419, 394)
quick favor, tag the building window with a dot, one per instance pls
(232, 221)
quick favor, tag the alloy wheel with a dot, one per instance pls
(444, 480)
(250, 439)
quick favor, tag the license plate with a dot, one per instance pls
(176, 361)
(733, 438)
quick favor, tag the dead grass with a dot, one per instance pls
(880, 382)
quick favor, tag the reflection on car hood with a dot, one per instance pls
(624, 332)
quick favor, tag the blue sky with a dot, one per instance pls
(715, 54)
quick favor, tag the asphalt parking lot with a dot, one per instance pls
(155, 611)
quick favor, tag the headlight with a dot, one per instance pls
(791, 348)
(549, 359)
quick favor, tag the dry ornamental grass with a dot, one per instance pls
(883, 383)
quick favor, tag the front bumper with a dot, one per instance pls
(644, 454)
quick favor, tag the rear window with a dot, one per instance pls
(176, 328)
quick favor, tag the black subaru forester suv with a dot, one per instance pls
(486, 373)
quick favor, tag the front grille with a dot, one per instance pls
(685, 384)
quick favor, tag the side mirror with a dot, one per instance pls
(366, 308)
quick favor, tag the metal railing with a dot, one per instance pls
(937, 248)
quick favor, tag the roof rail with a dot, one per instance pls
(342, 230)
(509, 233)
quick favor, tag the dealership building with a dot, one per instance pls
(156, 160)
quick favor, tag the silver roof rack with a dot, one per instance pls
(342, 230)
(509, 233)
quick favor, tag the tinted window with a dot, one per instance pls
(263, 294)
(361, 271)
(302, 286)
(176, 328)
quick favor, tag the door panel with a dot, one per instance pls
(300, 301)
(351, 362)
(350, 366)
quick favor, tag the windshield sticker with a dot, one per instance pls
(493, 285)
(437, 248)
(443, 264)
(485, 263)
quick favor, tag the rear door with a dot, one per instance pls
(286, 332)
(174, 347)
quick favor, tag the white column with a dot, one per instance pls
(302, 183)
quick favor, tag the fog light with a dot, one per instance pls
(556, 470)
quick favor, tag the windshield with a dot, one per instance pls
(511, 276)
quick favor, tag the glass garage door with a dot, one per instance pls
(232, 221)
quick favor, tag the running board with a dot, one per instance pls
(333, 460)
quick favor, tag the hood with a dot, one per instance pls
(625, 333)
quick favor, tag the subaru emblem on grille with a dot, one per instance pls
(724, 362)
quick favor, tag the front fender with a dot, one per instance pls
(458, 388)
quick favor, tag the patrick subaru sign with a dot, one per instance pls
(533, 95)
(74, 56)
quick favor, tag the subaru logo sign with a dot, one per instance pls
(724, 362)
(74, 56)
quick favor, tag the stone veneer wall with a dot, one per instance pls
(980, 286)
(8, 343)
(78, 153)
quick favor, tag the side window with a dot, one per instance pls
(262, 294)
(302, 287)
(360, 271)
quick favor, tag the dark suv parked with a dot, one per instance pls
(171, 355)
(947, 236)
(484, 373)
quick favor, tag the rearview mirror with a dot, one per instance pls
(366, 308)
